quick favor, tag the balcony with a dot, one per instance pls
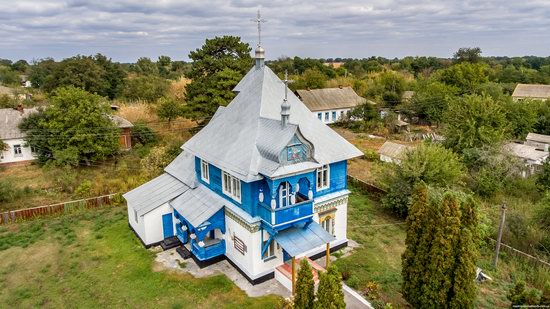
(285, 214)
(211, 249)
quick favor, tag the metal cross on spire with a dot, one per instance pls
(259, 20)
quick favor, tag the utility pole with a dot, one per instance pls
(500, 230)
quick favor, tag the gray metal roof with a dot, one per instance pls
(532, 91)
(330, 98)
(230, 140)
(300, 239)
(121, 122)
(394, 150)
(183, 168)
(526, 152)
(539, 138)
(9, 121)
(154, 193)
(198, 205)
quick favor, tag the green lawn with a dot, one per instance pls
(91, 259)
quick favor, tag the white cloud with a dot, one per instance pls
(126, 29)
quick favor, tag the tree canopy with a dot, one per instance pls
(75, 128)
(217, 68)
(473, 121)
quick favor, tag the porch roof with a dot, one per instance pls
(198, 205)
(303, 238)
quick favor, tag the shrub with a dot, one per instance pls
(142, 134)
(8, 192)
(84, 188)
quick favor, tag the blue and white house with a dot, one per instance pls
(262, 183)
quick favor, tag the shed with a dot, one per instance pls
(540, 141)
(531, 91)
(392, 152)
(532, 156)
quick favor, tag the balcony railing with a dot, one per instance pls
(285, 214)
(182, 233)
(211, 249)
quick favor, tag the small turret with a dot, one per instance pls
(285, 107)
(260, 57)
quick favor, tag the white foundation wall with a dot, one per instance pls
(9, 155)
(153, 223)
(243, 261)
(139, 226)
(341, 223)
(261, 266)
(251, 262)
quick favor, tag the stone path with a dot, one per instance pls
(171, 260)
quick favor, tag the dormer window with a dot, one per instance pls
(323, 177)
(205, 172)
(298, 150)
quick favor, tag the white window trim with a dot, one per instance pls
(232, 186)
(271, 251)
(284, 194)
(205, 171)
(15, 147)
(320, 185)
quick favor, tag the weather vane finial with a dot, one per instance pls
(259, 21)
(286, 82)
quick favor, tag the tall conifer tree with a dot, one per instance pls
(305, 291)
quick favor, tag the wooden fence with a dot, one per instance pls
(517, 252)
(376, 192)
(40, 211)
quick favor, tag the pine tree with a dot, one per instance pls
(442, 248)
(412, 259)
(305, 290)
(330, 294)
(463, 292)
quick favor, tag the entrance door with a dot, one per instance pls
(167, 225)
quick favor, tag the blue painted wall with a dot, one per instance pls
(215, 185)
(250, 191)
(338, 179)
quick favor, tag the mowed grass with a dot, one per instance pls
(91, 259)
(382, 241)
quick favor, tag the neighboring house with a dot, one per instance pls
(262, 184)
(532, 156)
(393, 153)
(535, 92)
(17, 150)
(330, 104)
(540, 141)
(334, 65)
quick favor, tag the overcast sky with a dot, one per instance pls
(128, 29)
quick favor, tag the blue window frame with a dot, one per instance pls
(333, 116)
(320, 116)
(327, 116)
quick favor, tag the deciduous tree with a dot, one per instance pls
(75, 128)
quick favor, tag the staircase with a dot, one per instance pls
(283, 273)
(170, 243)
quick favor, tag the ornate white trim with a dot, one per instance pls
(330, 204)
(251, 227)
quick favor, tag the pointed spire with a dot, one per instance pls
(260, 52)
(285, 107)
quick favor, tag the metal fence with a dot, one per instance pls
(40, 211)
